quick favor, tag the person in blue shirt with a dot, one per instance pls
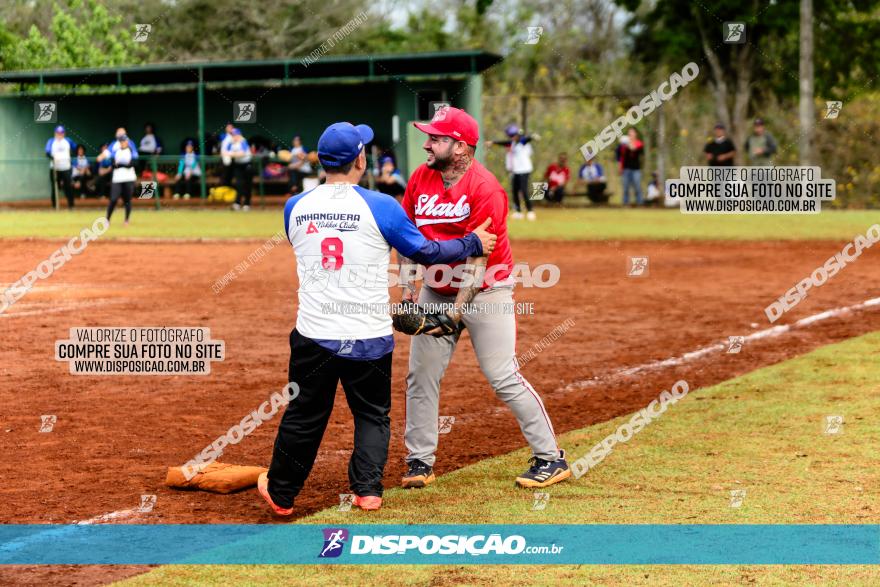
(60, 150)
(120, 133)
(81, 171)
(592, 174)
(188, 172)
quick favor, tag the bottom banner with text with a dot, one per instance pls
(49, 544)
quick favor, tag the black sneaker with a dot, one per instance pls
(544, 473)
(418, 475)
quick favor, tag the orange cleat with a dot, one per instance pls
(368, 502)
(263, 488)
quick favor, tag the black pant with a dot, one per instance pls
(186, 186)
(521, 187)
(125, 189)
(556, 194)
(63, 179)
(83, 188)
(227, 175)
(244, 179)
(367, 386)
(102, 184)
(596, 192)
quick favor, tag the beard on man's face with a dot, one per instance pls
(440, 161)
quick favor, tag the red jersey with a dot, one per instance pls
(556, 175)
(447, 214)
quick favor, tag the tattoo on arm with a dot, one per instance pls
(408, 269)
(476, 267)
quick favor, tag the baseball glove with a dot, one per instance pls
(413, 320)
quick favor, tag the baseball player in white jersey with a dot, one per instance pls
(342, 235)
(60, 150)
(447, 196)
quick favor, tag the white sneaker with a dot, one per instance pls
(517, 216)
(176, 196)
(186, 196)
(236, 207)
(247, 208)
(531, 215)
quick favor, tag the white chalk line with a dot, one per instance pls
(701, 352)
(58, 532)
(65, 308)
(111, 517)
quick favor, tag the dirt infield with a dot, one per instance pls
(115, 435)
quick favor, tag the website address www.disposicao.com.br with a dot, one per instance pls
(335, 540)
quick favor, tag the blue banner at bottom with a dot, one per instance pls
(46, 544)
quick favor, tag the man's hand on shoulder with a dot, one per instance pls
(487, 238)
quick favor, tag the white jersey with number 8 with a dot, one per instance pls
(342, 236)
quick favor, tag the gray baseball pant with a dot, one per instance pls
(493, 335)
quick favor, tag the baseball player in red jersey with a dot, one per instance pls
(447, 197)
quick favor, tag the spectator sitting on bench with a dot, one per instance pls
(188, 172)
(653, 197)
(557, 176)
(594, 176)
(81, 171)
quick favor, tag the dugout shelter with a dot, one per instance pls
(197, 99)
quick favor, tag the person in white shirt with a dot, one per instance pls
(654, 193)
(120, 132)
(518, 162)
(239, 152)
(124, 176)
(60, 150)
(342, 236)
(225, 141)
(299, 166)
(150, 145)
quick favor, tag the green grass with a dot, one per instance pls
(762, 432)
(553, 224)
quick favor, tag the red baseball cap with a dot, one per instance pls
(452, 122)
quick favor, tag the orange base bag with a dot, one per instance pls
(216, 478)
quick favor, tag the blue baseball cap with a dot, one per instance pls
(342, 142)
(59, 129)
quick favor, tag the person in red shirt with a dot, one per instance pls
(445, 197)
(557, 176)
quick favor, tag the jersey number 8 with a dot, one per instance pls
(331, 253)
